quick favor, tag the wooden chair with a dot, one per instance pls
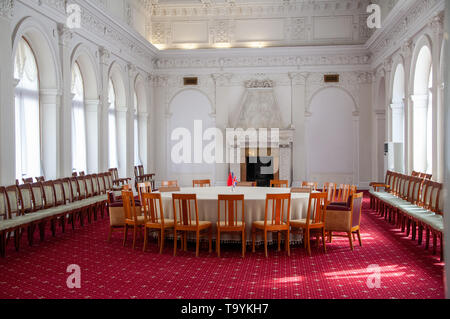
(312, 185)
(343, 193)
(229, 221)
(246, 184)
(133, 217)
(141, 177)
(172, 189)
(345, 219)
(279, 184)
(186, 220)
(27, 180)
(116, 181)
(277, 220)
(169, 184)
(145, 187)
(154, 218)
(330, 189)
(40, 179)
(201, 183)
(314, 221)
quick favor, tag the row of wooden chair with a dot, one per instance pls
(30, 180)
(231, 218)
(25, 207)
(413, 203)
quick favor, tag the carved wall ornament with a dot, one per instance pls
(254, 84)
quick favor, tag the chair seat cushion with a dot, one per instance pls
(338, 207)
(435, 221)
(201, 224)
(168, 223)
(300, 223)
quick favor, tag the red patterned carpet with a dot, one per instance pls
(109, 270)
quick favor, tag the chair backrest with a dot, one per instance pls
(12, 193)
(26, 198)
(357, 203)
(27, 180)
(143, 188)
(185, 209)
(301, 190)
(312, 185)
(153, 208)
(343, 193)
(38, 194)
(436, 202)
(89, 186)
(279, 184)
(74, 188)
(278, 209)
(82, 190)
(67, 189)
(40, 179)
(101, 184)
(201, 183)
(49, 194)
(136, 172)
(330, 189)
(59, 192)
(169, 189)
(129, 206)
(74, 174)
(4, 208)
(246, 184)
(107, 177)
(141, 170)
(317, 206)
(414, 191)
(114, 173)
(95, 184)
(82, 174)
(169, 184)
(233, 208)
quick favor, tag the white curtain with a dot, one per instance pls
(78, 122)
(27, 117)
(137, 160)
(112, 142)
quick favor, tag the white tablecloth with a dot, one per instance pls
(254, 204)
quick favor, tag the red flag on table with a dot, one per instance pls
(230, 180)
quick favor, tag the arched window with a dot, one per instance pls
(137, 160)
(422, 112)
(27, 119)
(78, 121)
(112, 142)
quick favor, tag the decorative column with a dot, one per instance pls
(50, 100)
(419, 138)
(408, 110)
(93, 109)
(103, 111)
(65, 132)
(380, 124)
(397, 110)
(356, 148)
(7, 106)
(437, 114)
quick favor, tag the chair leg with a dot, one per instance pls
(265, 243)
(427, 238)
(420, 238)
(243, 243)
(308, 243)
(218, 243)
(434, 243)
(175, 240)
(359, 237)
(279, 241)
(253, 239)
(125, 235)
(210, 239)
(287, 242)
(324, 241)
(145, 239)
(197, 243)
(330, 237)
(110, 233)
(17, 239)
(42, 230)
(134, 235)
(185, 241)
(161, 249)
(350, 238)
(53, 227)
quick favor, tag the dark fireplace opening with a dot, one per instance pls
(260, 170)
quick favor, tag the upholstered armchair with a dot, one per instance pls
(141, 177)
(116, 180)
(345, 219)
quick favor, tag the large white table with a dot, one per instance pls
(254, 204)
